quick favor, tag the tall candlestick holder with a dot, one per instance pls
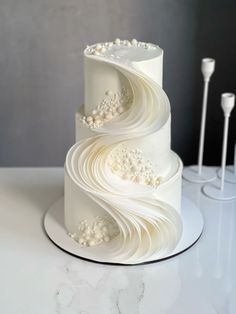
(230, 171)
(199, 173)
(221, 190)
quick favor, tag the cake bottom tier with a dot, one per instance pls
(151, 223)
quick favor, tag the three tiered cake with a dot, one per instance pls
(122, 181)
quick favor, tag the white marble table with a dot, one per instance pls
(38, 278)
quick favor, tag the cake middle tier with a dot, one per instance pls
(155, 147)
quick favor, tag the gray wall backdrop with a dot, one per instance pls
(41, 69)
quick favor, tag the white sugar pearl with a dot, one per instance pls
(104, 229)
(98, 47)
(117, 41)
(106, 238)
(110, 44)
(120, 109)
(108, 116)
(97, 53)
(103, 50)
(98, 235)
(98, 121)
(128, 44)
(152, 181)
(94, 111)
(134, 41)
(91, 243)
(89, 118)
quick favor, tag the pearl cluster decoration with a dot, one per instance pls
(103, 229)
(131, 165)
(112, 105)
(101, 48)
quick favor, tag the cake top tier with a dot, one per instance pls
(111, 67)
(125, 50)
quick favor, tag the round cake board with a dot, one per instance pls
(57, 233)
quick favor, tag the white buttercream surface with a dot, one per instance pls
(131, 53)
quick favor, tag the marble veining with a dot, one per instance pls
(110, 288)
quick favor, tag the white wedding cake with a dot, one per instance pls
(122, 181)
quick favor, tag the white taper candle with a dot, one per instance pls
(227, 104)
(207, 67)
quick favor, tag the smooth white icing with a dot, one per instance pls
(148, 217)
